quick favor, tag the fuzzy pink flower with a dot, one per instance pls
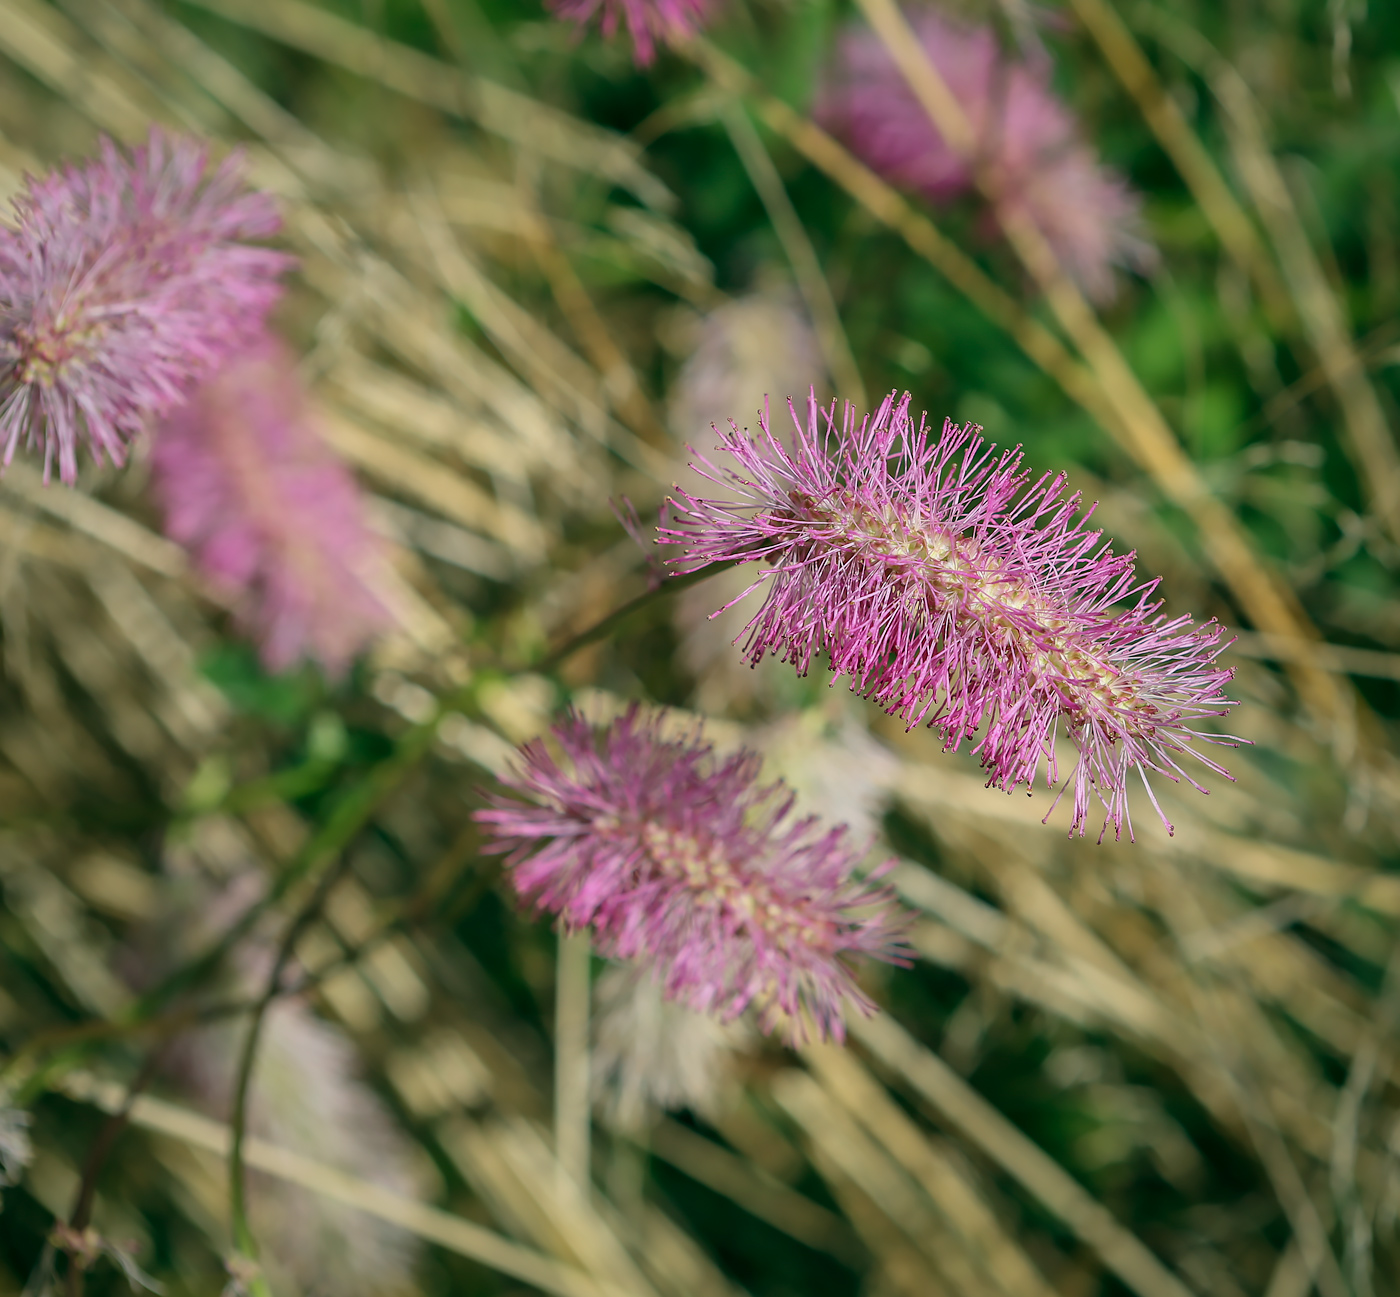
(269, 513)
(1027, 145)
(648, 21)
(675, 855)
(956, 591)
(123, 283)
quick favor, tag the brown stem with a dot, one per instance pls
(97, 1157)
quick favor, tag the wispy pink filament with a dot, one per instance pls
(958, 592)
(649, 22)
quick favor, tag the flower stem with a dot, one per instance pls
(244, 1243)
(602, 629)
(571, 1133)
(350, 815)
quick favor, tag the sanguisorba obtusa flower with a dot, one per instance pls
(958, 592)
(649, 22)
(269, 512)
(1027, 144)
(673, 854)
(123, 283)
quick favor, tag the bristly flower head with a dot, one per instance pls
(673, 854)
(954, 590)
(124, 282)
(648, 21)
(269, 512)
(1026, 143)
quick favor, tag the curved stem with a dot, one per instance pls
(24, 1080)
(602, 629)
(243, 1241)
(350, 815)
(96, 1158)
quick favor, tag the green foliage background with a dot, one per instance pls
(1197, 1032)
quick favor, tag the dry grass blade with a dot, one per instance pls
(555, 371)
(1370, 439)
(1334, 657)
(144, 34)
(905, 1216)
(1162, 113)
(439, 1227)
(41, 40)
(1007, 1267)
(423, 479)
(515, 1170)
(1225, 1018)
(811, 282)
(93, 519)
(1039, 1173)
(1262, 863)
(754, 1190)
(526, 122)
(23, 535)
(619, 378)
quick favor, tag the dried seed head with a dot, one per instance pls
(16, 1151)
(651, 1054)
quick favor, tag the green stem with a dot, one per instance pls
(245, 1245)
(358, 806)
(25, 1082)
(350, 815)
(602, 629)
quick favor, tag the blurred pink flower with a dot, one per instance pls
(672, 854)
(956, 590)
(123, 282)
(648, 21)
(1026, 143)
(269, 512)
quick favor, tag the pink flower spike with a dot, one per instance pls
(672, 854)
(269, 513)
(1027, 144)
(648, 21)
(956, 591)
(123, 283)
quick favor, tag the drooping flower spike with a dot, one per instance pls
(1026, 144)
(958, 592)
(673, 854)
(269, 512)
(649, 22)
(123, 283)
